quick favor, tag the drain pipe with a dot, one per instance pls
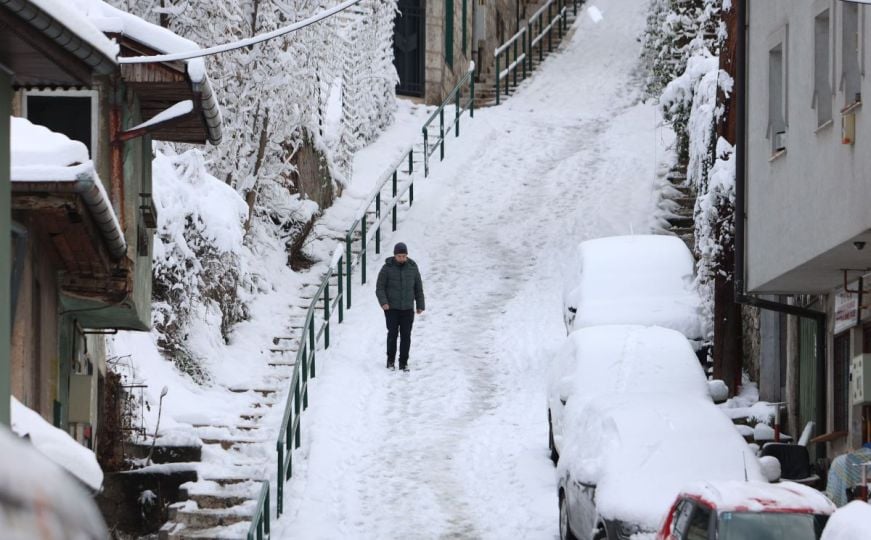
(741, 296)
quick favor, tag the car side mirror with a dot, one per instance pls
(718, 390)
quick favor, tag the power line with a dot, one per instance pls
(241, 43)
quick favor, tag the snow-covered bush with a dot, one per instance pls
(198, 254)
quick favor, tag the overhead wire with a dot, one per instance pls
(247, 42)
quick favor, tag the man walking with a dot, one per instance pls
(399, 288)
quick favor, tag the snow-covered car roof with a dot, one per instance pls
(737, 496)
(637, 279)
(626, 358)
(640, 453)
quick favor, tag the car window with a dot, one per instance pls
(770, 526)
(698, 528)
(682, 518)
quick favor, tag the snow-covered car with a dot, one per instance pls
(619, 359)
(742, 510)
(38, 499)
(850, 522)
(637, 279)
(626, 458)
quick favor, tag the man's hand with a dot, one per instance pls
(419, 311)
(385, 307)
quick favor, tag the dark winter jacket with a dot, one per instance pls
(399, 285)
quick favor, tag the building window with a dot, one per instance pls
(777, 98)
(840, 382)
(822, 68)
(850, 77)
(71, 112)
(449, 33)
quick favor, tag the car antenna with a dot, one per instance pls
(744, 459)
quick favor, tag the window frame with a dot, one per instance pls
(95, 102)
(824, 7)
(778, 39)
(851, 103)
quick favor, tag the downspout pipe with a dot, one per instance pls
(741, 296)
(19, 234)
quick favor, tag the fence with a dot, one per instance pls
(398, 181)
(454, 97)
(537, 30)
(260, 521)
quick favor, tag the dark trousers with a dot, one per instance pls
(399, 323)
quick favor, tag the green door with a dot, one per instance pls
(808, 385)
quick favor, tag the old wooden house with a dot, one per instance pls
(82, 211)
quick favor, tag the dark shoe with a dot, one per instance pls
(403, 367)
(390, 365)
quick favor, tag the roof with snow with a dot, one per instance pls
(49, 43)
(761, 497)
(163, 92)
(45, 161)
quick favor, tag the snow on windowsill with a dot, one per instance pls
(777, 155)
(824, 126)
(178, 110)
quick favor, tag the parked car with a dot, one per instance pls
(38, 499)
(638, 279)
(743, 510)
(850, 522)
(626, 458)
(619, 359)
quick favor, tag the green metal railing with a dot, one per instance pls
(455, 98)
(538, 30)
(289, 435)
(260, 521)
(511, 67)
(394, 187)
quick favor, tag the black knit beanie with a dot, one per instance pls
(400, 248)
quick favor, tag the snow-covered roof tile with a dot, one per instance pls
(67, 14)
(112, 20)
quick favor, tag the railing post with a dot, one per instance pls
(279, 483)
(560, 15)
(327, 315)
(266, 512)
(442, 134)
(348, 269)
(363, 249)
(395, 191)
(314, 345)
(457, 116)
(411, 193)
(550, 26)
(515, 63)
(541, 41)
(378, 219)
(425, 158)
(507, 75)
(575, 6)
(497, 79)
(472, 99)
(410, 162)
(340, 290)
(529, 45)
(525, 55)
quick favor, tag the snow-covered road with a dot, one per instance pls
(456, 448)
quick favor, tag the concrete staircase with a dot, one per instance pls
(678, 205)
(485, 81)
(237, 458)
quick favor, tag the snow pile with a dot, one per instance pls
(57, 445)
(641, 279)
(852, 522)
(115, 21)
(199, 266)
(639, 453)
(747, 405)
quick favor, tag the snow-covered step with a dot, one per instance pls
(190, 516)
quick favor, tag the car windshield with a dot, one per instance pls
(770, 526)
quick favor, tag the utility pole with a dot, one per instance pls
(5, 246)
(728, 344)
